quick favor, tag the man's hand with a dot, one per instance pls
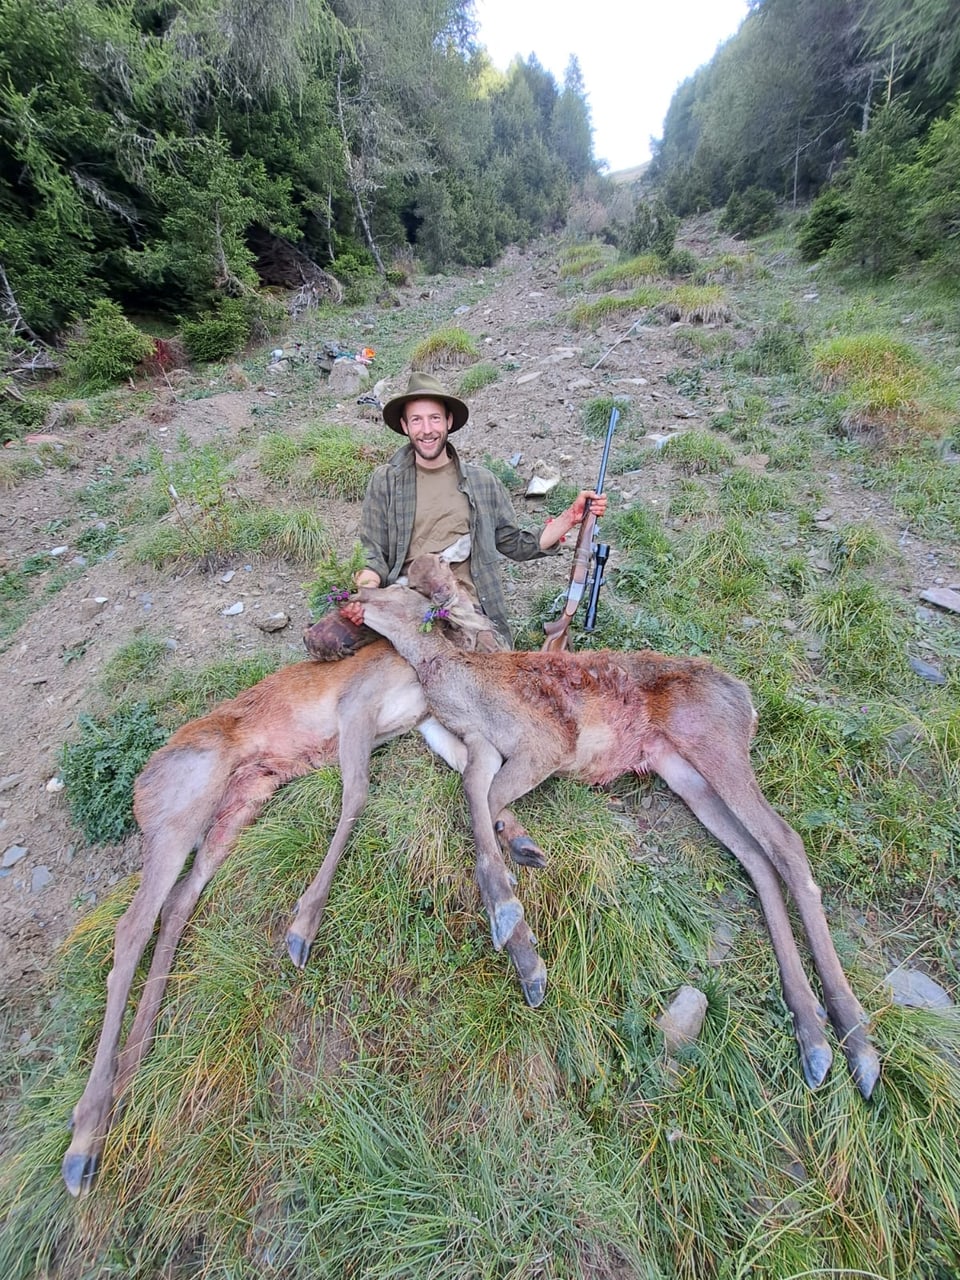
(353, 609)
(598, 505)
(353, 612)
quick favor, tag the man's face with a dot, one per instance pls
(427, 424)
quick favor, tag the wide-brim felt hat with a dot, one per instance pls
(424, 386)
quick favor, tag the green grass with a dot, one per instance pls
(696, 453)
(395, 1108)
(696, 304)
(295, 533)
(450, 345)
(478, 377)
(645, 269)
(590, 315)
(580, 259)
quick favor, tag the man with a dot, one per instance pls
(426, 499)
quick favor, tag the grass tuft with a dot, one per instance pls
(444, 348)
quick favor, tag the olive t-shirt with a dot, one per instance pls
(443, 516)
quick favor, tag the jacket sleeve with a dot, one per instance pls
(374, 525)
(511, 540)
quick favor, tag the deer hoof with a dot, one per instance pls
(535, 988)
(526, 853)
(298, 949)
(79, 1171)
(816, 1063)
(504, 918)
(864, 1066)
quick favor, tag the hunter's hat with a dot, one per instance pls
(423, 386)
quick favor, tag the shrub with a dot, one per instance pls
(214, 335)
(821, 227)
(749, 213)
(100, 768)
(681, 262)
(108, 349)
(652, 229)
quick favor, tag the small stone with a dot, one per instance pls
(12, 855)
(682, 1020)
(721, 943)
(54, 785)
(528, 377)
(927, 671)
(228, 576)
(913, 988)
(232, 610)
(275, 622)
(40, 879)
(92, 606)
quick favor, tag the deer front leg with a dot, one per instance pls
(355, 786)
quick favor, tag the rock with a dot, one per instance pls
(40, 879)
(275, 622)
(228, 576)
(90, 607)
(927, 671)
(54, 785)
(913, 988)
(232, 610)
(528, 377)
(10, 781)
(580, 384)
(721, 943)
(942, 596)
(682, 1020)
(544, 479)
(347, 377)
(12, 855)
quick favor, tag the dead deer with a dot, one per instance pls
(526, 717)
(200, 790)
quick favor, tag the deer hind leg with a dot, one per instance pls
(92, 1114)
(249, 789)
(736, 813)
(195, 776)
(514, 839)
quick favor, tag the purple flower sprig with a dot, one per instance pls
(331, 600)
(432, 616)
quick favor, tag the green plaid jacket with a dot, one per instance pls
(386, 526)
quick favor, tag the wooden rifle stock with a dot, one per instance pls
(557, 630)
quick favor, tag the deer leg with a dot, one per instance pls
(513, 838)
(248, 791)
(752, 832)
(91, 1115)
(355, 783)
(494, 881)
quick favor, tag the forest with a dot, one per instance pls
(169, 156)
(852, 105)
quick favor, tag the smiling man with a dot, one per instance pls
(426, 500)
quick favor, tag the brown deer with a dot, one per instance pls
(209, 782)
(525, 717)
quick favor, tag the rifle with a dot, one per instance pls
(588, 549)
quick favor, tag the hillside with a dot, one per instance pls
(742, 526)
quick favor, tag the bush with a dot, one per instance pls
(99, 770)
(749, 213)
(108, 349)
(681, 262)
(215, 335)
(652, 229)
(822, 224)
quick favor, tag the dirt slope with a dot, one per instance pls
(49, 672)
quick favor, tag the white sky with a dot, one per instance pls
(633, 54)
